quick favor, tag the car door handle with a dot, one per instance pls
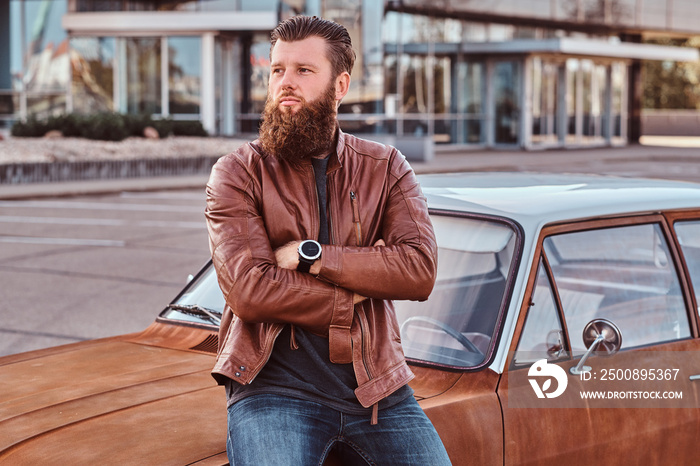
(695, 377)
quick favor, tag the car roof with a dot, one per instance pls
(537, 199)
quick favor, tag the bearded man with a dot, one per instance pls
(313, 232)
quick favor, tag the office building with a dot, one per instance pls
(512, 73)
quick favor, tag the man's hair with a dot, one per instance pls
(340, 52)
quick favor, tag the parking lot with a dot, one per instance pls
(84, 267)
(93, 259)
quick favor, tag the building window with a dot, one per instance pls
(545, 76)
(618, 106)
(141, 75)
(39, 57)
(92, 70)
(470, 76)
(593, 88)
(259, 58)
(506, 83)
(572, 99)
(184, 75)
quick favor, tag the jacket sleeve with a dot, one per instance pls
(254, 287)
(406, 267)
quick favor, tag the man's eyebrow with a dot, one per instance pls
(296, 65)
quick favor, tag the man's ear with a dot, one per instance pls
(342, 85)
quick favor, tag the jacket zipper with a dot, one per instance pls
(269, 351)
(374, 418)
(356, 218)
(365, 344)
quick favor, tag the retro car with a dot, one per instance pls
(563, 327)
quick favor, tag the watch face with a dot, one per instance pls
(310, 249)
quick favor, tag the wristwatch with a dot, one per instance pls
(309, 252)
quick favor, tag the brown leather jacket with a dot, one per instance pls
(256, 203)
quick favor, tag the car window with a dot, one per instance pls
(542, 336)
(455, 326)
(688, 233)
(623, 274)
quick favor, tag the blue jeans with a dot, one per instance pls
(274, 430)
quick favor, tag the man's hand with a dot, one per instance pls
(287, 256)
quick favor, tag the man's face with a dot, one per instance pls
(299, 72)
(299, 120)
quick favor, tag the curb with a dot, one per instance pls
(56, 172)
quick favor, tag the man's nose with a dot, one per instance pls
(287, 81)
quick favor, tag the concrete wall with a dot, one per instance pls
(671, 122)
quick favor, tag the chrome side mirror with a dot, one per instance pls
(598, 333)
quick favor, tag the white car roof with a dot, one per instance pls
(534, 199)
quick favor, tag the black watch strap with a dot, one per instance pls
(304, 266)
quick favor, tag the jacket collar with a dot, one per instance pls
(336, 159)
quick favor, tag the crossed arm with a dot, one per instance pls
(287, 257)
(261, 285)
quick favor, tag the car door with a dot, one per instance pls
(637, 406)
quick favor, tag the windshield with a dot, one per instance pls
(203, 291)
(456, 324)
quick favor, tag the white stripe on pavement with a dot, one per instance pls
(101, 222)
(63, 241)
(100, 206)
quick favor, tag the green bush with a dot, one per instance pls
(189, 128)
(32, 128)
(164, 127)
(135, 124)
(106, 126)
(71, 125)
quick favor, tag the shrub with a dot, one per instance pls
(32, 128)
(188, 128)
(163, 126)
(106, 126)
(70, 125)
(135, 124)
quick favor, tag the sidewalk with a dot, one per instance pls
(658, 157)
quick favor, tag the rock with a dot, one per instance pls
(53, 134)
(149, 132)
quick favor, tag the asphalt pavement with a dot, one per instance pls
(657, 157)
(106, 258)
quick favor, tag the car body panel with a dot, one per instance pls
(110, 392)
(467, 416)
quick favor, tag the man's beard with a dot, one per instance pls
(295, 137)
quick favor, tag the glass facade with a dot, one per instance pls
(454, 75)
(92, 72)
(506, 86)
(669, 15)
(545, 102)
(184, 73)
(140, 75)
(39, 58)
